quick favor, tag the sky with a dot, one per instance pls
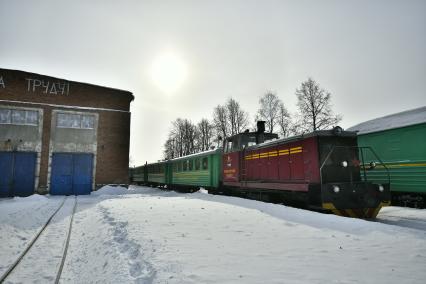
(370, 54)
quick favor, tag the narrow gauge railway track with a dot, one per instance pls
(16, 264)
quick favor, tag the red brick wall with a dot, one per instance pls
(113, 147)
(113, 127)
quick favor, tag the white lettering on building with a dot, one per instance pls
(2, 82)
(48, 87)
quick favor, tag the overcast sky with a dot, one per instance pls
(371, 55)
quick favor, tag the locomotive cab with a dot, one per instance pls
(246, 139)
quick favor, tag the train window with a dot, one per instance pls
(235, 145)
(185, 165)
(197, 164)
(179, 166)
(205, 163)
(248, 140)
(191, 165)
(228, 147)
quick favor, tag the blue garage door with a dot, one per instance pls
(71, 174)
(17, 173)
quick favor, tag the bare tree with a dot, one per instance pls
(185, 138)
(189, 137)
(220, 120)
(284, 121)
(170, 149)
(177, 135)
(181, 139)
(269, 110)
(204, 135)
(314, 105)
(237, 117)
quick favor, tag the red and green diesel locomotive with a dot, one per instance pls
(322, 170)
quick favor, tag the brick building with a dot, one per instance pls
(61, 136)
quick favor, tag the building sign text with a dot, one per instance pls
(48, 87)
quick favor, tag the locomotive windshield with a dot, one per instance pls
(239, 142)
(248, 140)
(243, 140)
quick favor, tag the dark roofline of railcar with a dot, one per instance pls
(71, 81)
(402, 119)
(318, 133)
(155, 163)
(204, 153)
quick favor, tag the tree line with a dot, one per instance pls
(314, 112)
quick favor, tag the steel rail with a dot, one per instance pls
(64, 254)
(21, 256)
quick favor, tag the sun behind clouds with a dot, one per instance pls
(168, 72)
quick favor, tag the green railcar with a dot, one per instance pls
(197, 170)
(138, 175)
(400, 141)
(156, 173)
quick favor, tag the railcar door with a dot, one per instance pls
(231, 162)
(273, 170)
(297, 167)
(283, 162)
(243, 166)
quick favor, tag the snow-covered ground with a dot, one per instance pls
(145, 235)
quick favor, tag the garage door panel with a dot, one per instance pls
(24, 170)
(62, 170)
(82, 178)
(6, 176)
(71, 174)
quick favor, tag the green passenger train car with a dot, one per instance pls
(185, 173)
(400, 141)
(156, 174)
(197, 170)
(138, 175)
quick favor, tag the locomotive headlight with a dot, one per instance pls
(381, 188)
(336, 189)
(344, 164)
